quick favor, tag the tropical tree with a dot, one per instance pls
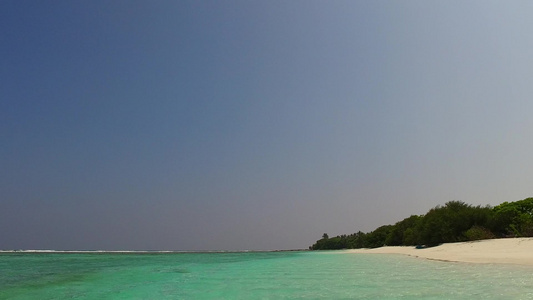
(514, 218)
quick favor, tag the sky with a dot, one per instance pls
(255, 125)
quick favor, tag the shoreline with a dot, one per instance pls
(44, 251)
(516, 251)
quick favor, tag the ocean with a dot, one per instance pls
(254, 275)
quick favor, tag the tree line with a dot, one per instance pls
(456, 221)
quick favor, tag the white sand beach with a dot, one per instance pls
(505, 251)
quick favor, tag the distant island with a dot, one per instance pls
(456, 221)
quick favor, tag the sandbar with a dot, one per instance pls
(517, 251)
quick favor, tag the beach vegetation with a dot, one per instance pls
(455, 221)
(404, 232)
(448, 223)
(476, 233)
(378, 237)
(514, 218)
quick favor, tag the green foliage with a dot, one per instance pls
(410, 237)
(456, 221)
(356, 240)
(479, 233)
(448, 223)
(326, 243)
(514, 218)
(404, 232)
(378, 237)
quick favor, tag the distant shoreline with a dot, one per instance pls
(517, 251)
(143, 251)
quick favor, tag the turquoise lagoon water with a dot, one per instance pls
(254, 275)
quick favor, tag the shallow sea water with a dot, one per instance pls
(254, 275)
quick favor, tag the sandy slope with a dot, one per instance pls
(508, 251)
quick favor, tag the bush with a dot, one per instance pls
(476, 233)
(514, 218)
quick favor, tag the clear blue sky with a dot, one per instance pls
(202, 125)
